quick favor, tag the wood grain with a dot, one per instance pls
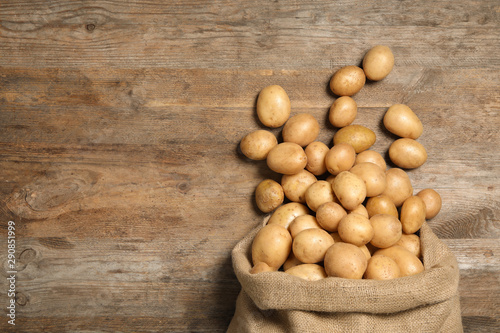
(119, 131)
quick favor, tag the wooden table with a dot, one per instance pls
(120, 124)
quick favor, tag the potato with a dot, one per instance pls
(399, 186)
(381, 267)
(407, 153)
(258, 144)
(340, 158)
(412, 214)
(343, 111)
(366, 251)
(361, 210)
(309, 272)
(310, 245)
(347, 81)
(291, 261)
(301, 129)
(287, 158)
(378, 62)
(295, 185)
(372, 157)
(411, 243)
(319, 193)
(373, 176)
(408, 263)
(345, 260)
(358, 136)
(285, 214)
(269, 195)
(261, 267)
(329, 214)
(381, 204)
(432, 201)
(400, 120)
(387, 230)
(349, 189)
(355, 229)
(316, 152)
(302, 222)
(271, 245)
(336, 237)
(273, 106)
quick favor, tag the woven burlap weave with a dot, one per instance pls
(278, 302)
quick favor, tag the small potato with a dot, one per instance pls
(366, 251)
(295, 185)
(343, 111)
(387, 230)
(287, 158)
(378, 62)
(302, 222)
(340, 158)
(412, 214)
(432, 201)
(381, 204)
(347, 81)
(345, 260)
(399, 187)
(329, 214)
(269, 195)
(408, 263)
(285, 214)
(261, 267)
(373, 176)
(271, 245)
(301, 129)
(309, 272)
(407, 153)
(319, 193)
(291, 261)
(400, 120)
(361, 210)
(258, 144)
(372, 157)
(355, 229)
(336, 237)
(359, 137)
(349, 189)
(273, 106)
(411, 243)
(316, 152)
(310, 245)
(381, 267)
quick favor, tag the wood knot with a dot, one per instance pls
(21, 299)
(27, 256)
(90, 27)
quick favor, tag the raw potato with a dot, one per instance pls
(381, 267)
(301, 129)
(343, 111)
(319, 193)
(271, 245)
(432, 201)
(387, 230)
(345, 260)
(269, 195)
(295, 185)
(329, 214)
(258, 144)
(378, 62)
(365, 250)
(373, 176)
(261, 267)
(381, 204)
(340, 158)
(291, 261)
(359, 137)
(347, 81)
(349, 189)
(310, 245)
(411, 243)
(309, 272)
(407, 153)
(398, 187)
(372, 157)
(355, 229)
(273, 106)
(412, 214)
(316, 152)
(285, 214)
(301, 223)
(361, 210)
(408, 263)
(400, 120)
(287, 158)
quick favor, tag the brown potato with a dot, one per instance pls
(345, 260)
(343, 111)
(301, 129)
(295, 185)
(349, 189)
(291, 261)
(373, 176)
(340, 158)
(287, 158)
(355, 229)
(408, 263)
(319, 193)
(261, 267)
(316, 152)
(411, 243)
(366, 251)
(273, 106)
(381, 204)
(285, 214)
(378, 62)
(310, 245)
(432, 201)
(399, 186)
(269, 195)
(359, 137)
(258, 144)
(361, 210)
(407, 153)
(412, 214)
(347, 81)
(271, 245)
(309, 272)
(387, 230)
(400, 120)
(381, 267)
(372, 157)
(303, 222)
(329, 214)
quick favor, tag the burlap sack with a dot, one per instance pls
(278, 302)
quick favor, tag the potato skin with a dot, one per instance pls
(340, 158)
(287, 158)
(345, 260)
(309, 272)
(400, 120)
(347, 81)
(343, 111)
(319, 193)
(359, 137)
(329, 214)
(407, 153)
(273, 106)
(301, 223)
(258, 144)
(373, 176)
(387, 230)
(261, 267)
(355, 229)
(285, 214)
(411, 242)
(381, 267)
(310, 245)
(381, 204)
(271, 245)
(378, 62)
(398, 187)
(301, 128)
(349, 189)
(372, 157)
(412, 214)
(408, 263)
(316, 152)
(269, 195)
(296, 185)
(432, 200)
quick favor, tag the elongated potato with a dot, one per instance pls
(407, 153)
(412, 214)
(359, 137)
(287, 158)
(408, 263)
(273, 106)
(285, 214)
(271, 245)
(349, 189)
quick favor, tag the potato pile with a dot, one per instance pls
(339, 211)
